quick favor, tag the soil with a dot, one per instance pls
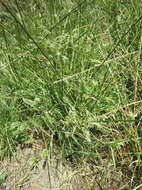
(27, 171)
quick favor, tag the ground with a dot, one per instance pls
(28, 171)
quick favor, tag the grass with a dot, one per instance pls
(71, 74)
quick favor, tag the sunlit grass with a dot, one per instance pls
(71, 73)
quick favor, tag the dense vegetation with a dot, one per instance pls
(71, 74)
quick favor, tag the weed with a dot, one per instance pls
(71, 74)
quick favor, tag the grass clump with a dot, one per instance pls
(71, 73)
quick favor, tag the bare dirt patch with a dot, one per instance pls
(25, 172)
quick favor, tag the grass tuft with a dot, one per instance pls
(71, 74)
